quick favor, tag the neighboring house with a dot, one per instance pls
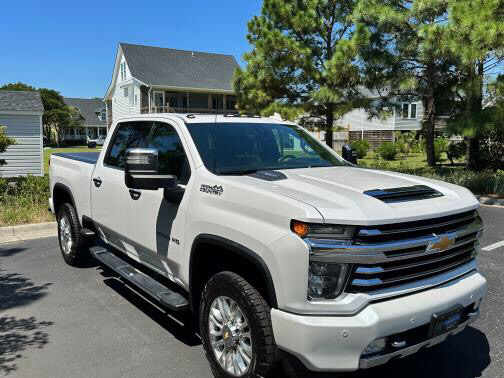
(95, 119)
(21, 112)
(376, 130)
(159, 80)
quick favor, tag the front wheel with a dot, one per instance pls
(236, 328)
(92, 145)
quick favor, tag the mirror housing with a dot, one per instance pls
(142, 171)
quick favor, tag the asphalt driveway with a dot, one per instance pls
(58, 321)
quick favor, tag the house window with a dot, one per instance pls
(125, 91)
(230, 102)
(409, 111)
(136, 99)
(103, 115)
(405, 110)
(123, 71)
(413, 111)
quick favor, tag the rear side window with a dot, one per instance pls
(128, 135)
(171, 154)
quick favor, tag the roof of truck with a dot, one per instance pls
(211, 118)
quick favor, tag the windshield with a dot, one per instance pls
(240, 148)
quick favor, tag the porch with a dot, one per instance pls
(82, 133)
(163, 101)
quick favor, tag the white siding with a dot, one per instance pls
(125, 106)
(358, 119)
(26, 156)
(410, 124)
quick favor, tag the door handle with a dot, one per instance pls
(135, 194)
(97, 181)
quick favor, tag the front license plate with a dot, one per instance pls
(445, 321)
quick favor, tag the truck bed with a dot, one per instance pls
(74, 171)
(86, 157)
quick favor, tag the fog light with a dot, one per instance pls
(375, 346)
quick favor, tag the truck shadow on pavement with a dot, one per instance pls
(19, 334)
(465, 355)
(182, 326)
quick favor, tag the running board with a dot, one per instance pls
(166, 297)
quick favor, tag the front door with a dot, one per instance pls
(109, 194)
(155, 225)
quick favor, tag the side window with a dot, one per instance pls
(172, 157)
(128, 135)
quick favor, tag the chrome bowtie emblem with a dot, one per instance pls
(442, 243)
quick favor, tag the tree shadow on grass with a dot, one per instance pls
(18, 334)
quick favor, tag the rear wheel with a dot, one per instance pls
(236, 328)
(73, 245)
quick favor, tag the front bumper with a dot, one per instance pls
(327, 343)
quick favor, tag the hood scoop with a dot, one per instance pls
(407, 193)
(269, 175)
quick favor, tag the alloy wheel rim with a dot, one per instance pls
(65, 235)
(230, 337)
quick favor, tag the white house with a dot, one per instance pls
(407, 118)
(157, 80)
(95, 119)
(21, 112)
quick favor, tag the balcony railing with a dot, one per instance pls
(169, 109)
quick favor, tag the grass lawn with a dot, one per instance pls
(49, 151)
(413, 161)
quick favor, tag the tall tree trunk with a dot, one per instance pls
(430, 122)
(474, 106)
(329, 126)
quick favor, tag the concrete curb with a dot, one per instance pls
(11, 234)
(491, 201)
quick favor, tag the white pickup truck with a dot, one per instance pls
(282, 249)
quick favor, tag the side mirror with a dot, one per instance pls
(142, 171)
(349, 154)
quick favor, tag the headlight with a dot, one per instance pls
(326, 280)
(322, 231)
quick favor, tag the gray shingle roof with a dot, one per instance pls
(90, 109)
(180, 68)
(21, 100)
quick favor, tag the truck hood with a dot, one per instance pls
(338, 194)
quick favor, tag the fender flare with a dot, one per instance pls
(66, 189)
(241, 251)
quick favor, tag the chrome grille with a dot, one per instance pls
(418, 262)
(394, 254)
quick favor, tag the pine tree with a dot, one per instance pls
(476, 37)
(303, 63)
(406, 54)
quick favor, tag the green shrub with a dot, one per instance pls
(404, 148)
(24, 201)
(387, 150)
(361, 147)
(440, 146)
(456, 151)
(5, 142)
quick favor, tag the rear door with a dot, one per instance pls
(109, 194)
(155, 225)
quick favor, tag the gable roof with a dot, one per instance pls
(21, 101)
(179, 68)
(90, 109)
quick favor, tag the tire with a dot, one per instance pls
(92, 145)
(254, 343)
(74, 248)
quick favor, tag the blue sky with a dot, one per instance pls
(70, 45)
